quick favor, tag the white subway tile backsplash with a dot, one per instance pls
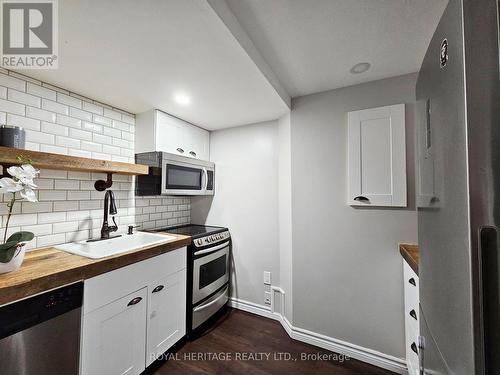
(80, 134)
(67, 184)
(23, 122)
(69, 121)
(102, 120)
(112, 132)
(91, 146)
(67, 142)
(40, 91)
(11, 107)
(39, 229)
(112, 114)
(78, 113)
(40, 114)
(23, 98)
(121, 125)
(102, 139)
(13, 83)
(48, 127)
(52, 239)
(51, 217)
(69, 100)
(66, 206)
(52, 195)
(39, 137)
(32, 146)
(35, 207)
(69, 207)
(91, 127)
(54, 149)
(93, 108)
(80, 153)
(49, 105)
(76, 175)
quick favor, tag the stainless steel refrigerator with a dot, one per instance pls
(458, 193)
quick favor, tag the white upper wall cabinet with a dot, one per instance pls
(377, 157)
(159, 131)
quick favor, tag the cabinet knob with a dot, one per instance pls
(181, 150)
(412, 282)
(413, 314)
(413, 347)
(158, 288)
(192, 153)
(134, 301)
(361, 198)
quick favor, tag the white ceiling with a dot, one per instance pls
(136, 55)
(239, 61)
(312, 44)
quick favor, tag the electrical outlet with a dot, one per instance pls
(267, 278)
(267, 298)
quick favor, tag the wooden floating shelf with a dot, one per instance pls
(8, 156)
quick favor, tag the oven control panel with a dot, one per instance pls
(212, 239)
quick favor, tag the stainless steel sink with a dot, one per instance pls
(117, 245)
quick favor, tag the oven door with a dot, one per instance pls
(210, 270)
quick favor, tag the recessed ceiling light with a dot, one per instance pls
(360, 68)
(182, 99)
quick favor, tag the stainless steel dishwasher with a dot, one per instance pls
(40, 335)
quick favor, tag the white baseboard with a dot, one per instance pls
(370, 356)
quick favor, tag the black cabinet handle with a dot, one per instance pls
(413, 314)
(360, 198)
(135, 301)
(158, 288)
(192, 153)
(412, 282)
(180, 150)
(413, 347)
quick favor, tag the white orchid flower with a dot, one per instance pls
(28, 194)
(8, 185)
(25, 174)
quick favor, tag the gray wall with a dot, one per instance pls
(246, 201)
(347, 271)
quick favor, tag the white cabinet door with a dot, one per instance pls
(179, 137)
(114, 337)
(377, 157)
(166, 314)
(170, 134)
(197, 142)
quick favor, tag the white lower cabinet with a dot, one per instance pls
(166, 314)
(133, 314)
(115, 336)
(412, 315)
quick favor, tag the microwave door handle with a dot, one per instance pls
(205, 178)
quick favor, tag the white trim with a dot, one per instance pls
(360, 353)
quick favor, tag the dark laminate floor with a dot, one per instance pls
(241, 333)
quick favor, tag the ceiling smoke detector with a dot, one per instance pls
(360, 68)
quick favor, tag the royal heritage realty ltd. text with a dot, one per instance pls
(252, 356)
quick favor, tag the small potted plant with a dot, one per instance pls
(12, 249)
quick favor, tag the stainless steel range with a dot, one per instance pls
(208, 273)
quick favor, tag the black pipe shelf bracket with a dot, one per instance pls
(101, 185)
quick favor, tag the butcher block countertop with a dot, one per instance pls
(49, 268)
(410, 254)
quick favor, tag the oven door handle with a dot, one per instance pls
(198, 308)
(212, 249)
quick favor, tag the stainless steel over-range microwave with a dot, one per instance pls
(171, 174)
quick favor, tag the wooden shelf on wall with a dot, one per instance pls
(45, 160)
